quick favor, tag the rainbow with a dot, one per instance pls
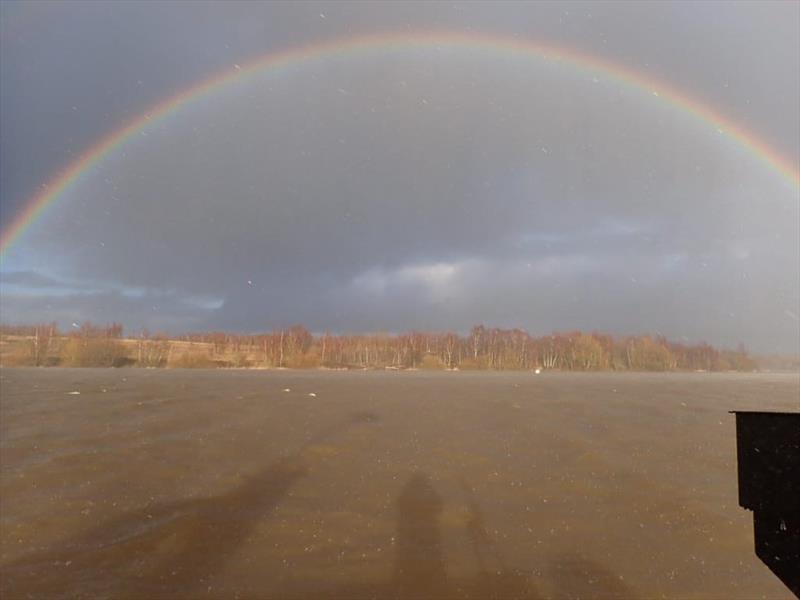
(54, 188)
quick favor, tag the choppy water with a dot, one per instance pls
(205, 484)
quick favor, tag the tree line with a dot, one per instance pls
(296, 347)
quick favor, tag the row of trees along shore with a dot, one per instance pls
(295, 347)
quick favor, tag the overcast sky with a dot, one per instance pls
(403, 188)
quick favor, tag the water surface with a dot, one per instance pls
(206, 484)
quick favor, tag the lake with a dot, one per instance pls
(299, 484)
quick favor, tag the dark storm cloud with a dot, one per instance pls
(416, 189)
(72, 71)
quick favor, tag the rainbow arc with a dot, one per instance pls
(660, 91)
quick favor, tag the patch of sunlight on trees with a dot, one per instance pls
(296, 348)
(81, 352)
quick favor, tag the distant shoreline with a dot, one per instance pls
(295, 348)
(456, 372)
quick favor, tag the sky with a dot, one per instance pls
(407, 186)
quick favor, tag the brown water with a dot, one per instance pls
(207, 484)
